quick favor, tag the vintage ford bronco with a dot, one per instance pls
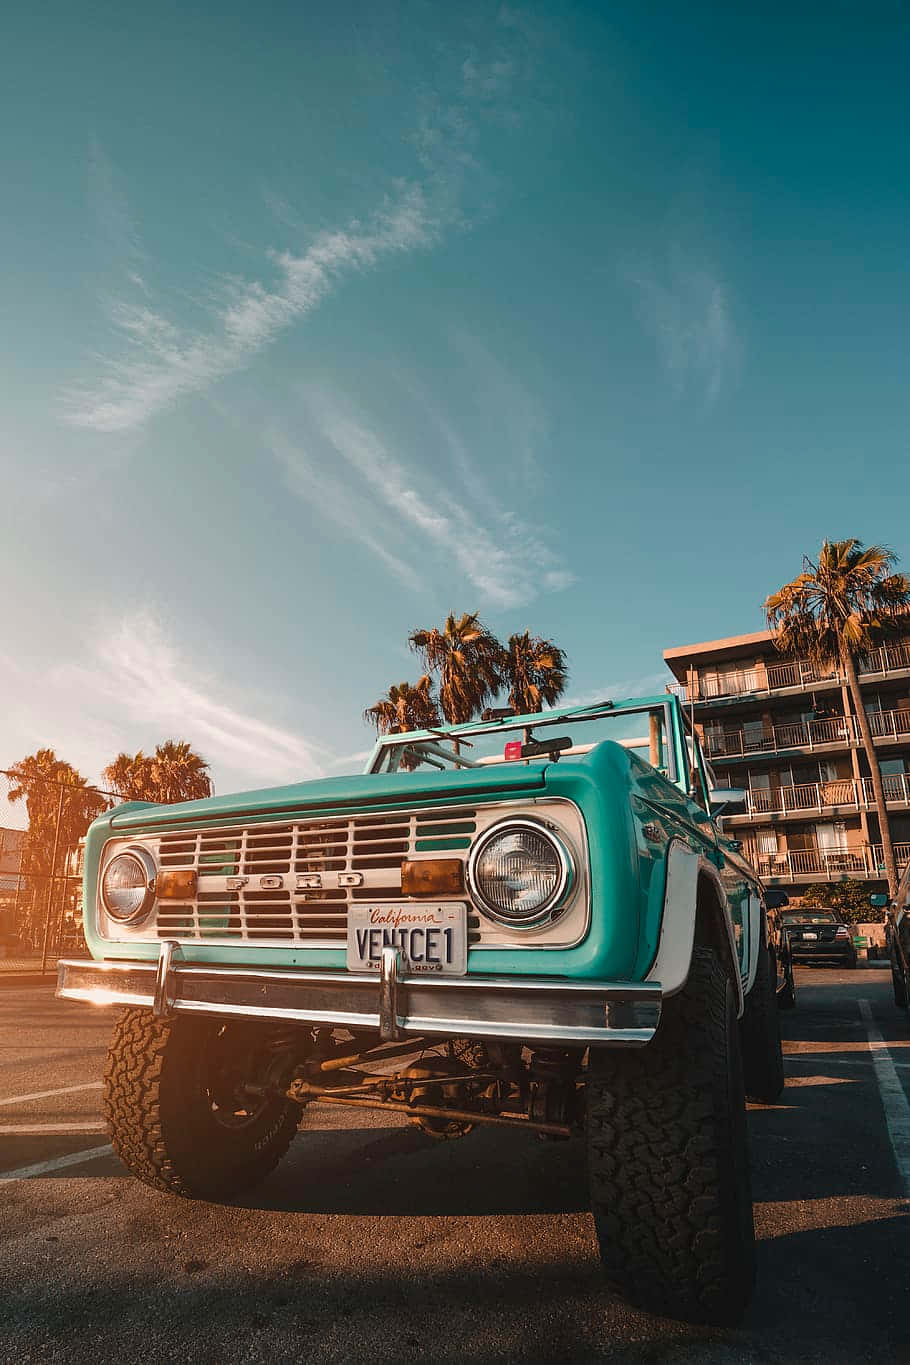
(534, 921)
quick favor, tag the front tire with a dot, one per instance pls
(763, 1059)
(668, 1159)
(172, 1121)
(899, 984)
(786, 999)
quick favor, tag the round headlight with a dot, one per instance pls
(519, 872)
(128, 885)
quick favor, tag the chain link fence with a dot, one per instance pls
(42, 829)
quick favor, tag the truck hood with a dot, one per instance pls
(390, 790)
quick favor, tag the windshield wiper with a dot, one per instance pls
(584, 710)
(448, 754)
(444, 734)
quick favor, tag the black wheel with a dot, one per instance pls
(898, 981)
(668, 1158)
(786, 996)
(763, 1058)
(177, 1118)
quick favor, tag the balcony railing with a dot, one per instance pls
(896, 785)
(812, 734)
(798, 735)
(808, 796)
(889, 724)
(887, 659)
(730, 684)
(790, 673)
(821, 796)
(877, 858)
(864, 860)
(795, 673)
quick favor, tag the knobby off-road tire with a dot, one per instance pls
(763, 1058)
(786, 999)
(668, 1159)
(164, 1125)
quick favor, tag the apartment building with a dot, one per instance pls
(786, 733)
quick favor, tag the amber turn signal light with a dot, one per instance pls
(175, 885)
(432, 877)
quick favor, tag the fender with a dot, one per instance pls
(677, 930)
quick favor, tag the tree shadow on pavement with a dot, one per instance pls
(835, 1294)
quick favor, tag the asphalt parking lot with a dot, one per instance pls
(372, 1242)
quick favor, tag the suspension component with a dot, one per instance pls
(507, 1120)
(554, 1097)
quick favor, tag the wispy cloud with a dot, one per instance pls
(314, 483)
(119, 233)
(518, 411)
(164, 362)
(644, 685)
(685, 307)
(138, 676)
(506, 560)
(155, 360)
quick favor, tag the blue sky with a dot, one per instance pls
(320, 321)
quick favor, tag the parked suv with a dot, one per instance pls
(531, 921)
(898, 937)
(819, 934)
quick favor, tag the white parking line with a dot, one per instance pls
(894, 1100)
(844, 1061)
(58, 1163)
(49, 1094)
(50, 1129)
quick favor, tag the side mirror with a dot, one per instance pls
(721, 797)
(879, 901)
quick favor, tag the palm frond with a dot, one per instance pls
(847, 601)
(465, 657)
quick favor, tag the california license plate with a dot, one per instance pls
(809, 935)
(431, 938)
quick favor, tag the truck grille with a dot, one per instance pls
(280, 883)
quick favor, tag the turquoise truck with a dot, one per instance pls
(530, 921)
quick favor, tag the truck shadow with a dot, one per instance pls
(402, 1171)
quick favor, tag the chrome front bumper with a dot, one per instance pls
(539, 1010)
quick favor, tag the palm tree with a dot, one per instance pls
(466, 658)
(61, 806)
(128, 776)
(174, 772)
(178, 773)
(405, 707)
(834, 612)
(534, 670)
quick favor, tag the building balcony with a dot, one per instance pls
(823, 798)
(889, 725)
(837, 732)
(791, 675)
(865, 862)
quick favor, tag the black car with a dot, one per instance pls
(818, 934)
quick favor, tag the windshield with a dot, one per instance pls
(643, 729)
(809, 917)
